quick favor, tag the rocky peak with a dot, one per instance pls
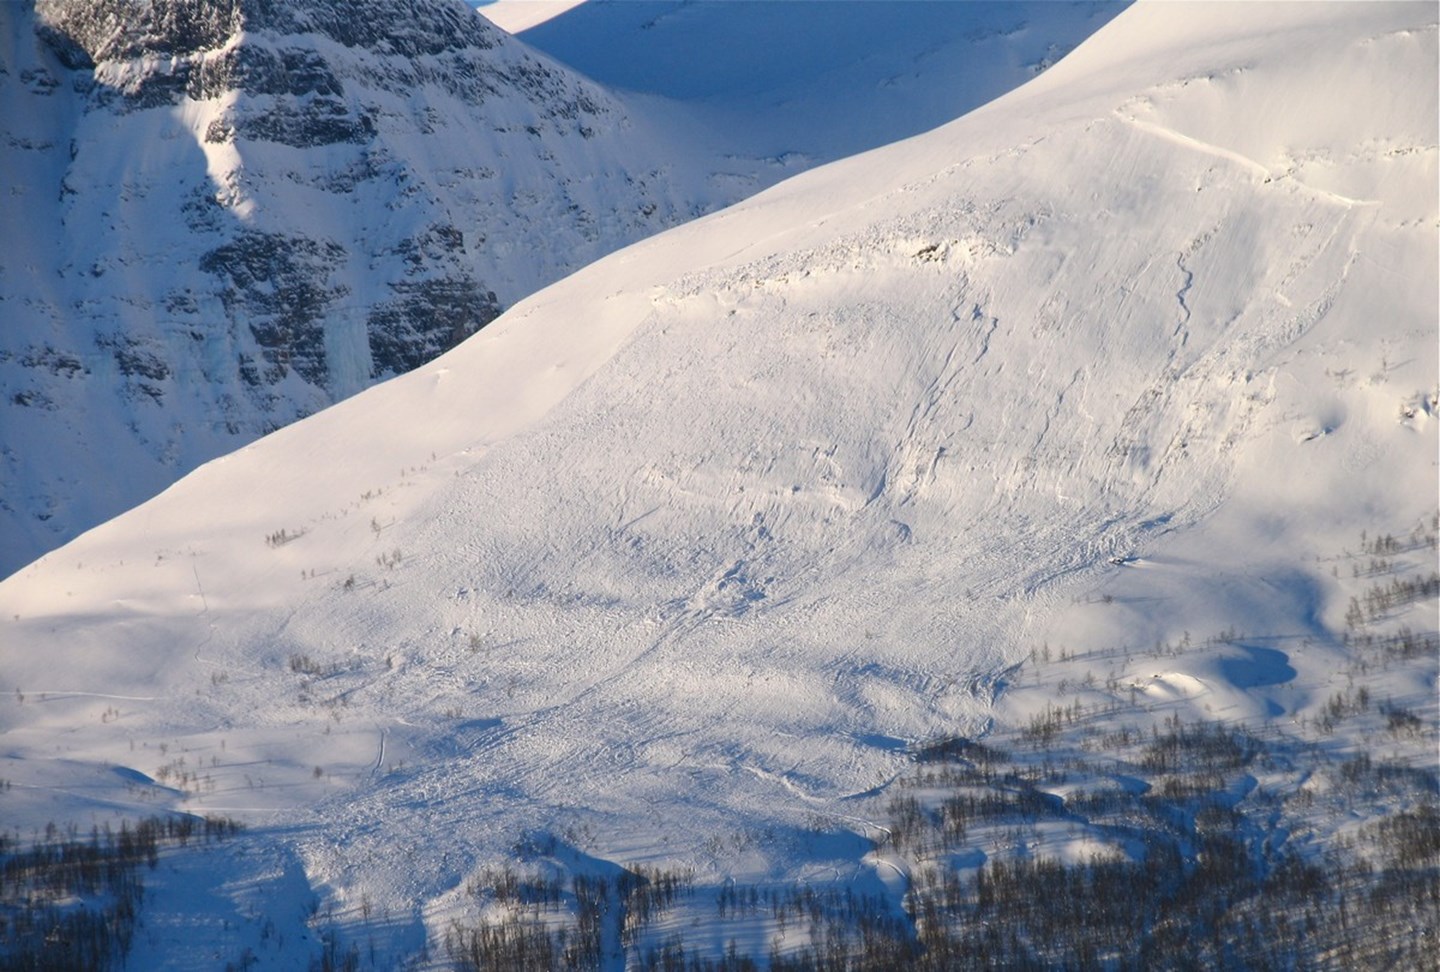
(165, 51)
(95, 31)
(270, 205)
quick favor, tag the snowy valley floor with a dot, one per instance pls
(1263, 799)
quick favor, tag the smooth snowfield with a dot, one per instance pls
(697, 541)
(518, 15)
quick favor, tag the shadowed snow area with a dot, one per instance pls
(816, 80)
(697, 540)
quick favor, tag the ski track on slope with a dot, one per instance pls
(546, 752)
(1258, 169)
(493, 166)
(68, 694)
(533, 745)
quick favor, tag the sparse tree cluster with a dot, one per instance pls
(1194, 860)
(71, 902)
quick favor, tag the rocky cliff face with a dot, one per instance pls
(222, 216)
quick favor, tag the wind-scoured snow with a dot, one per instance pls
(518, 15)
(699, 541)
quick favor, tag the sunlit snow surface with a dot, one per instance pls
(518, 15)
(698, 540)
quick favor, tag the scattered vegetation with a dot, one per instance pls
(282, 536)
(1186, 867)
(1104, 831)
(303, 664)
(71, 902)
(536, 930)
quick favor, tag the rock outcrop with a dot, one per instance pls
(223, 216)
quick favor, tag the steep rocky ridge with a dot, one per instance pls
(225, 216)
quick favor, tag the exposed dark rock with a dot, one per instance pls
(87, 32)
(322, 121)
(61, 363)
(249, 371)
(263, 70)
(133, 357)
(181, 302)
(279, 287)
(33, 398)
(221, 281)
(426, 319)
(416, 42)
(39, 81)
(251, 67)
(437, 243)
(202, 211)
(403, 28)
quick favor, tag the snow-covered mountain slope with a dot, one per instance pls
(814, 81)
(225, 217)
(518, 15)
(220, 218)
(693, 545)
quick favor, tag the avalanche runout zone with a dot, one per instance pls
(818, 526)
